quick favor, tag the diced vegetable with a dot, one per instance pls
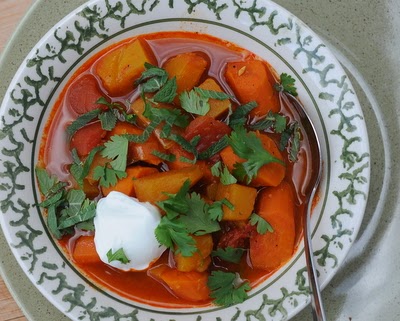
(251, 80)
(218, 108)
(125, 185)
(191, 286)
(98, 160)
(138, 151)
(87, 138)
(276, 206)
(119, 68)
(83, 94)
(85, 251)
(200, 260)
(209, 130)
(270, 174)
(154, 188)
(241, 197)
(188, 68)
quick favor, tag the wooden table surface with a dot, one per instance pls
(11, 12)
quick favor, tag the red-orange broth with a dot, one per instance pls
(55, 156)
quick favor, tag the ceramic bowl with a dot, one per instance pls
(262, 27)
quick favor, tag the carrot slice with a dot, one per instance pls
(252, 81)
(191, 286)
(276, 205)
(85, 251)
(83, 94)
(87, 138)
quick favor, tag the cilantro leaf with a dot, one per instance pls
(287, 84)
(249, 146)
(197, 220)
(152, 79)
(172, 232)
(164, 156)
(215, 210)
(227, 288)
(221, 170)
(229, 254)
(262, 225)
(79, 169)
(290, 139)
(239, 116)
(117, 150)
(119, 255)
(177, 203)
(194, 103)
(107, 176)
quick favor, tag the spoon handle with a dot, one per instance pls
(316, 299)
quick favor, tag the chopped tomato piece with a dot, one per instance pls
(87, 138)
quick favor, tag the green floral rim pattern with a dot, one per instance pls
(326, 90)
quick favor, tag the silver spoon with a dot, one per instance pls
(315, 177)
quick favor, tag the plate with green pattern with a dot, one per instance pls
(262, 27)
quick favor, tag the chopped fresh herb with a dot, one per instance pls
(215, 148)
(287, 84)
(119, 255)
(108, 176)
(167, 93)
(215, 210)
(213, 94)
(229, 254)
(290, 139)
(227, 288)
(85, 213)
(152, 79)
(186, 145)
(146, 133)
(176, 204)
(220, 170)
(117, 150)
(79, 169)
(239, 116)
(164, 156)
(82, 121)
(108, 120)
(194, 103)
(262, 225)
(272, 120)
(249, 146)
(196, 219)
(173, 232)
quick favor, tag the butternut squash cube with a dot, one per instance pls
(119, 68)
(217, 107)
(241, 197)
(200, 260)
(188, 68)
(152, 188)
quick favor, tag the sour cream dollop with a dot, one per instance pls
(124, 222)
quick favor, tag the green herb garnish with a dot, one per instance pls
(119, 255)
(287, 84)
(229, 254)
(262, 225)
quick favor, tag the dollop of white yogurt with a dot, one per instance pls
(124, 222)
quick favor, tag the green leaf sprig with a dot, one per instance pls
(248, 146)
(287, 84)
(262, 225)
(118, 255)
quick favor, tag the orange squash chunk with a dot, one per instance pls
(217, 107)
(85, 251)
(276, 205)
(125, 185)
(191, 286)
(188, 68)
(252, 81)
(241, 197)
(200, 260)
(152, 188)
(119, 68)
(270, 174)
